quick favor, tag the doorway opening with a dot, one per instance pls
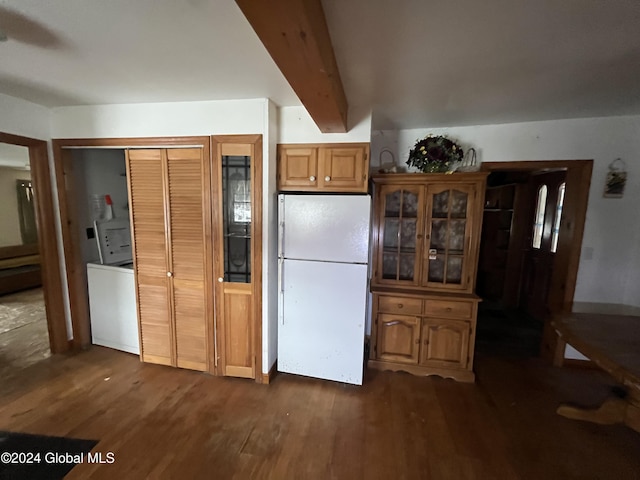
(24, 338)
(532, 229)
(32, 321)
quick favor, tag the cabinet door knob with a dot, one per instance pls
(417, 341)
(312, 178)
(449, 309)
(169, 274)
(327, 178)
(220, 279)
(400, 305)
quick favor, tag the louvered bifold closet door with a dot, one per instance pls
(146, 176)
(187, 176)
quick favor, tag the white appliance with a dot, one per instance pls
(114, 241)
(323, 253)
(112, 293)
(112, 307)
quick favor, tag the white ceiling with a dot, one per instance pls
(417, 63)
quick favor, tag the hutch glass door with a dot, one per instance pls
(446, 249)
(400, 227)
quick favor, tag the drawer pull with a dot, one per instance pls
(391, 324)
(449, 309)
(400, 305)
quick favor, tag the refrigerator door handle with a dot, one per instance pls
(281, 227)
(280, 275)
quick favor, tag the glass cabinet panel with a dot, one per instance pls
(446, 243)
(236, 221)
(401, 225)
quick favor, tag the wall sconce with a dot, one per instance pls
(616, 179)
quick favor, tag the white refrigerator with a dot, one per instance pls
(323, 250)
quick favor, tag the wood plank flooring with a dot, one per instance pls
(169, 423)
(24, 338)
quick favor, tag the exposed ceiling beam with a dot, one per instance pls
(296, 36)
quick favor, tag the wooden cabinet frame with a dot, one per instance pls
(314, 167)
(442, 315)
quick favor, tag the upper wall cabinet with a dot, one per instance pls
(340, 167)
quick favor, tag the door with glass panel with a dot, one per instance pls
(447, 248)
(401, 214)
(547, 198)
(237, 177)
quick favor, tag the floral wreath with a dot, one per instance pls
(435, 153)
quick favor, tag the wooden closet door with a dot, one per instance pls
(146, 178)
(188, 187)
(238, 213)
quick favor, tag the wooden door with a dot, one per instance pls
(297, 168)
(398, 338)
(237, 181)
(189, 214)
(147, 186)
(539, 252)
(343, 169)
(448, 254)
(445, 343)
(398, 240)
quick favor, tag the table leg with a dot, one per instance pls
(613, 410)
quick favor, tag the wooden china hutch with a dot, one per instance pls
(426, 233)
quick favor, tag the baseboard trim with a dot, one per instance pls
(605, 308)
(267, 378)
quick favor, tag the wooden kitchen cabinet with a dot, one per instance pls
(433, 335)
(337, 168)
(445, 343)
(425, 252)
(398, 338)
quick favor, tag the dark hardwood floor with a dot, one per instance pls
(167, 423)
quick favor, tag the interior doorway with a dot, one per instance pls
(529, 254)
(32, 319)
(24, 339)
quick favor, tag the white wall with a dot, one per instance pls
(9, 213)
(270, 241)
(101, 172)
(610, 262)
(27, 119)
(295, 125)
(159, 119)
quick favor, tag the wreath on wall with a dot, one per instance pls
(435, 153)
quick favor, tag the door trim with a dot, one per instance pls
(75, 269)
(47, 239)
